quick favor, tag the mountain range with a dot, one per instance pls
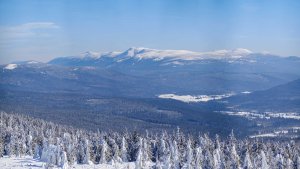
(94, 90)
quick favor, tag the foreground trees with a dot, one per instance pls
(63, 146)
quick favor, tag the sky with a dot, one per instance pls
(44, 29)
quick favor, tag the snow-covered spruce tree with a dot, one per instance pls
(158, 164)
(104, 149)
(235, 159)
(279, 161)
(82, 156)
(44, 154)
(94, 150)
(247, 161)
(143, 155)
(264, 161)
(86, 158)
(64, 161)
(124, 150)
(147, 156)
(115, 151)
(162, 148)
(218, 154)
(36, 151)
(1, 144)
(198, 158)
(181, 141)
(69, 147)
(175, 162)
(207, 146)
(133, 146)
(29, 145)
(58, 154)
(189, 155)
(139, 164)
(298, 162)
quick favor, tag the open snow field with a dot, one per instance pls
(28, 162)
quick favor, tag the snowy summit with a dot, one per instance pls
(11, 66)
(147, 53)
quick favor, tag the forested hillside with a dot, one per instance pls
(65, 146)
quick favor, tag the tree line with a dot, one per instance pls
(64, 146)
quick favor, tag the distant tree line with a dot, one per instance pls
(64, 146)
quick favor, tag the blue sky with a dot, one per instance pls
(44, 29)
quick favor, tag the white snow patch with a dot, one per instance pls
(264, 135)
(287, 115)
(295, 128)
(11, 66)
(290, 132)
(28, 162)
(248, 115)
(190, 98)
(245, 92)
(264, 115)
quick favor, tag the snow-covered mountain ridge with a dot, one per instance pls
(147, 53)
(139, 55)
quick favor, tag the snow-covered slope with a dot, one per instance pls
(11, 66)
(146, 53)
(174, 57)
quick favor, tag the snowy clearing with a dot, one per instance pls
(27, 162)
(263, 135)
(264, 115)
(287, 115)
(291, 132)
(190, 98)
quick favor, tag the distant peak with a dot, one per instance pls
(90, 54)
(242, 51)
(233, 53)
(11, 66)
(137, 49)
(133, 51)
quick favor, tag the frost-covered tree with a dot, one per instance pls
(289, 164)
(264, 161)
(247, 161)
(104, 149)
(298, 162)
(279, 161)
(174, 155)
(139, 164)
(199, 158)
(124, 150)
(86, 152)
(1, 145)
(64, 161)
(189, 155)
(36, 151)
(29, 145)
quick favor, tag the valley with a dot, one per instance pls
(143, 88)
